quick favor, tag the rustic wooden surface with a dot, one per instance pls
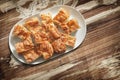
(98, 57)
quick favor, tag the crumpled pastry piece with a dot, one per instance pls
(32, 24)
(47, 18)
(33, 21)
(61, 17)
(41, 36)
(70, 26)
(24, 45)
(30, 56)
(54, 31)
(59, 46)
(73, 25)
(68, 40)
(21, 32)
(46, 49)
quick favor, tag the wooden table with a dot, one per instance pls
(98, 57)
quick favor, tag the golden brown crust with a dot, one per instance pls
(40, 36)
(24, 45)
(46, 21)
(61, 17)
(46, 17)
(65, 28)
(35, 29)
(32, 24)
(68, 40)
(73, 25)
(21, 32)
(59, 46)
(20, 47)
(28, 43)
(54, 31)
(34, 21)
(30, 56)
(46, 55)
(70, 26)
(46, 49)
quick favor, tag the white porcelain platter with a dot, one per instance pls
(79, 34)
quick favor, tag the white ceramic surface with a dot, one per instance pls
(79, 34)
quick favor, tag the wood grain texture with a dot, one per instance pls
(97, 58)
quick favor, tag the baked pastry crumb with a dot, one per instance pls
(45, 48)
(68, 40)
(30, 56)
(59, 46)
(24, 45)
(73, 25)
(61, 17)
(34, 21)
(21, 32)
(33, 25)
(47, 18)
(54, 31)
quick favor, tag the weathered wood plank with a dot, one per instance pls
(101, 34)
(96, 59)
(98, 10)
(4, 48)
(89, 70)
(6, 26)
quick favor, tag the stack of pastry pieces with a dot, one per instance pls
(68, 26)
(26, 46)
(35, 40)
(61, 20)
(45, 38)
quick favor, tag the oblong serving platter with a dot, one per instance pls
(79, 34)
